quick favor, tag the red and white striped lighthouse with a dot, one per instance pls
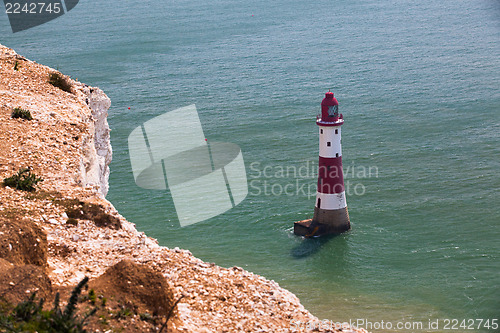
(330, 212)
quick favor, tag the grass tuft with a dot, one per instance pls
(60, 81)
(21, 113)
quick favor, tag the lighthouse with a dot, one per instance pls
(330, 211)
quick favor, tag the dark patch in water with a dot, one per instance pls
(310, 246)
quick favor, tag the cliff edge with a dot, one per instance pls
(66, 229)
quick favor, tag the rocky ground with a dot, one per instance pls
(51, 238)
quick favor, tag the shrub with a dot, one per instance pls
(21, 113)
(60, 81)
(24, 180)
(29, 316)
(16, 66)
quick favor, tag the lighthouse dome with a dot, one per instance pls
(329, 111)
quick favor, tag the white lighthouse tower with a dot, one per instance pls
(330, 211)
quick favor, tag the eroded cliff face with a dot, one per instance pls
(67, 143)
(96, 146)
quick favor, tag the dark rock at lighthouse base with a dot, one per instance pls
(325, 222)
(302, 228)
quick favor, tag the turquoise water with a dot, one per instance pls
(418, 84)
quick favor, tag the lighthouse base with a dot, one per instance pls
(324, 222)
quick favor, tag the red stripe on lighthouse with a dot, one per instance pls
(330, 175)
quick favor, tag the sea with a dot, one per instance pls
(418, 83)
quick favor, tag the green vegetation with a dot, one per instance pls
(29, 316)
(24, 180)
(123, 312)
(60, 81)
(92, 296)
(16, 66)
(21, 113)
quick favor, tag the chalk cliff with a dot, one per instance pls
(96, 152)
(67, 230)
